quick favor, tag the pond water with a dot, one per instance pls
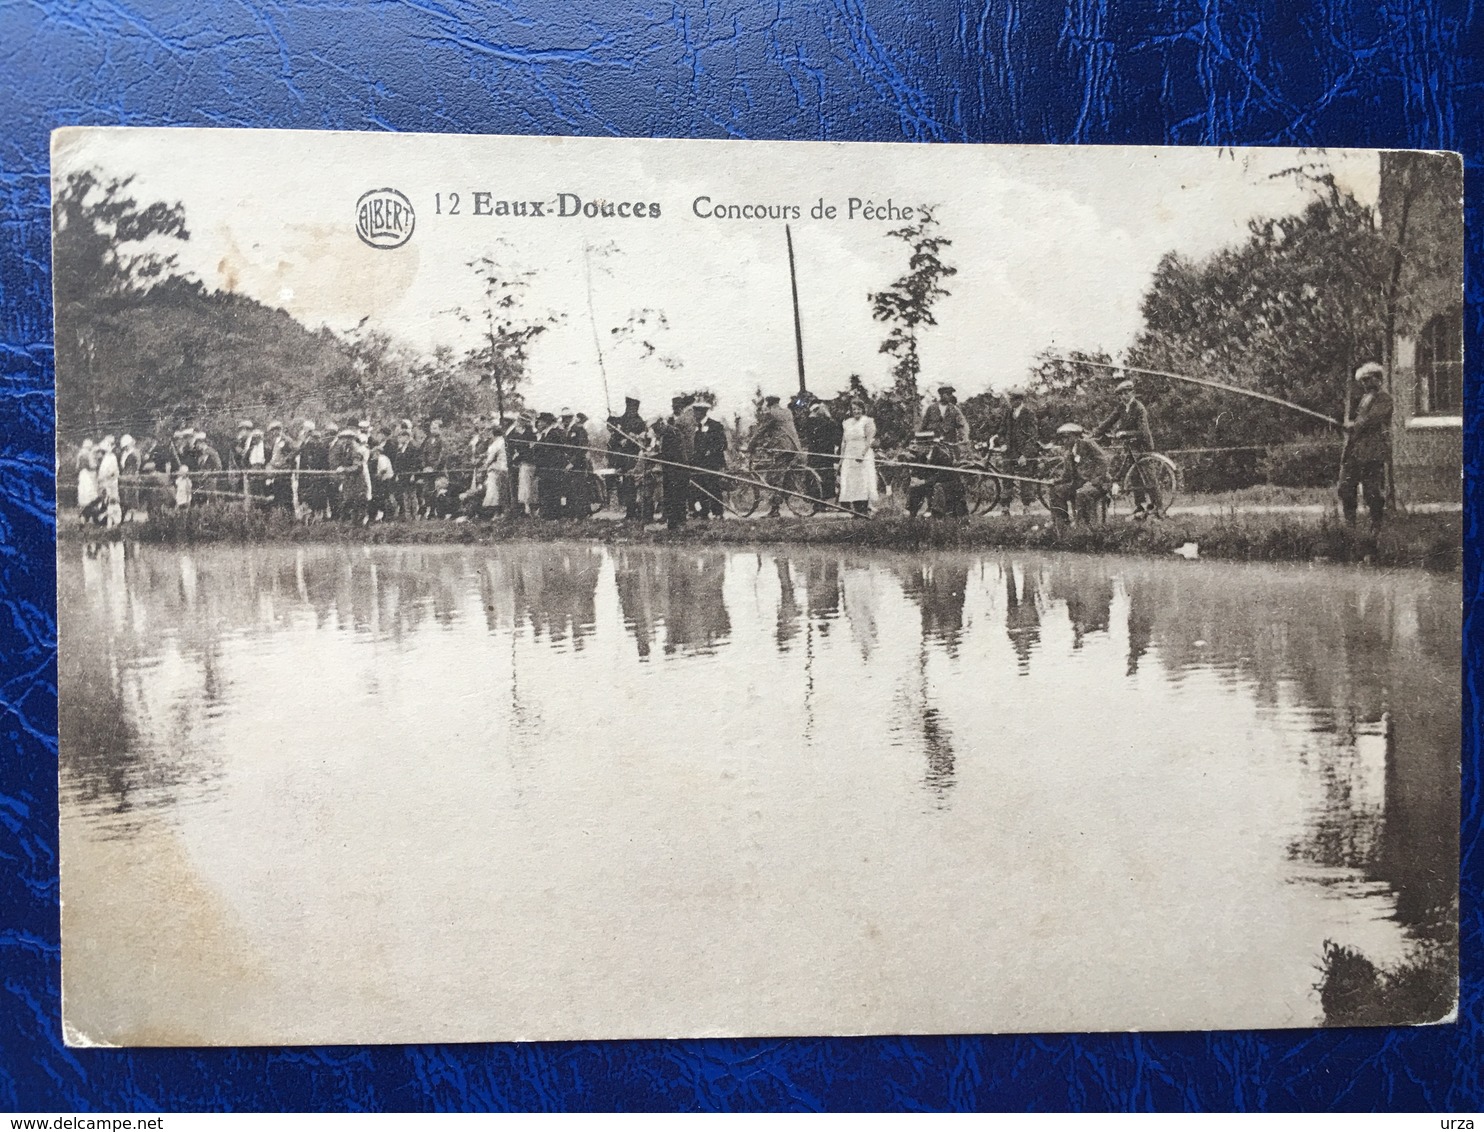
(541, 791)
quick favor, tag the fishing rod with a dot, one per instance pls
(930, 467)
(758, 484)
(592, 317)
(1207, 382)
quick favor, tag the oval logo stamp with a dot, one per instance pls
(384, 218)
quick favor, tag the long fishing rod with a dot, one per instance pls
(759, 484)
(592, 317)
(890, 463)
(1207, 382)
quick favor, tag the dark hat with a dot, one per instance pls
(771, 399)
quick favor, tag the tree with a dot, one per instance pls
(642, 337)
(507, 332)
(907, 305)
(101, 261)
(1291, 311)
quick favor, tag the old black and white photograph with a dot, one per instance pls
(531, 588)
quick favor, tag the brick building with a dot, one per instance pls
(1421, 202)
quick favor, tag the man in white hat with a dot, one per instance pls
(710, 458)
(1084, 479)
(1129, 422)
(1367, 446)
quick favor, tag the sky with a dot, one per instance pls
(1054, 246)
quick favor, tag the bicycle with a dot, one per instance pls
(990, 492)
(1143, 471)
(767, 474)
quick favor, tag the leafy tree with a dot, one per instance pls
(907, 305)
(102, 259)
(641, 339)
(1291, 311)
(507, 331)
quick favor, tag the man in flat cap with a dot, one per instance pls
(1129, 422)
(1022, 437)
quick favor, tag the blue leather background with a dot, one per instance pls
(1290, 72)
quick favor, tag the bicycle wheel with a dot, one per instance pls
(804, 482)
(743, 497)
(1151, 470)
(983, 492)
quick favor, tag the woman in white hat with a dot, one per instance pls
(858, 460)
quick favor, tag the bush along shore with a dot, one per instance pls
(1419, 989)
(1430, 541)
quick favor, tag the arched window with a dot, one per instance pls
(1440, 366)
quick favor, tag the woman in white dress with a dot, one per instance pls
(108, 483)
(858, 460)
(496, 472)
(87, 477)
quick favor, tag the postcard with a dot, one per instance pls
(532, 588)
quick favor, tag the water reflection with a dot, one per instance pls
(1322, 705)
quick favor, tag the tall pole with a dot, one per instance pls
(793, 279)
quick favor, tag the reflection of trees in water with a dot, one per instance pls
(555, 591)
(919, 723)
(938, 588)
(822, 577)
(126, 718)
(1376, 659)
(1086, 589)
(679, 594)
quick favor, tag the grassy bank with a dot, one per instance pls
(1431, 541)
(1355, 992)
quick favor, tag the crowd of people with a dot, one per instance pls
(678, 467)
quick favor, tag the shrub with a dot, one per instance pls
(1308, 464)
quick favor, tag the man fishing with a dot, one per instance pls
(710, 458)
(777, 438)
(624, 445)
(1083, 480)
(1367, 444)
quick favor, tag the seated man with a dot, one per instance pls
(1083, 480)
(923, 482)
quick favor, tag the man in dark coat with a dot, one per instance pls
(625, 441)
(313, 458)
(1022, 436)
(673, 443)
(950, 428)
(710, 458)
(1367, 447)
(549, 457)
(822, 443)
(777, 438)
(574, 435)
(1130, 424)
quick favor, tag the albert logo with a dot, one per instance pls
(384, 218)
